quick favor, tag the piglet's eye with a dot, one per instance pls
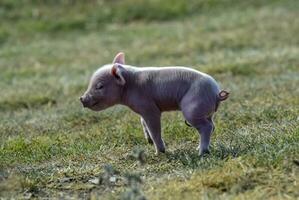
(98, 87)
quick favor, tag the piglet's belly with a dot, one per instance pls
(167, 105)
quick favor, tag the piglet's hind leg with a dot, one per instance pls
(205, 127)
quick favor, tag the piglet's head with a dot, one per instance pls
(106, 85)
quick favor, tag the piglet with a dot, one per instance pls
(149, 91)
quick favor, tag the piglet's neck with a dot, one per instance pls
(127, 91)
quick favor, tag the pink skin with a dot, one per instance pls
(149, 91)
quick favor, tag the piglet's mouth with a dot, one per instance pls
(94, 104)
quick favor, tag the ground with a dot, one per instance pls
(50, 147)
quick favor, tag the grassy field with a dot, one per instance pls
(50, 147)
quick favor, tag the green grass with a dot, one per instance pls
(50, 147)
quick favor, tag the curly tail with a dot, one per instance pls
(223, 95)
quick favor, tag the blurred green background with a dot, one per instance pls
(50, 147)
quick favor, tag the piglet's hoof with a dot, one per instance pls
(150, 141)
(160, 152)
(204, 153)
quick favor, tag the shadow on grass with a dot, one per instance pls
(190, 158)
(231, 144)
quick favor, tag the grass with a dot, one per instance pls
(50, 147)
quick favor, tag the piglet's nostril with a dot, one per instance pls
(83, 101)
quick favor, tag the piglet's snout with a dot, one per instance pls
(85, 100)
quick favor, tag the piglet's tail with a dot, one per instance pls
(223, 95)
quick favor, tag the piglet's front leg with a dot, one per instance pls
(146, 131)
(152, 121)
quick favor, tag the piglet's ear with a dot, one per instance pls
(118, 72)
(119, 58)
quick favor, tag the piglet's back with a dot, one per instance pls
(168, 85)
